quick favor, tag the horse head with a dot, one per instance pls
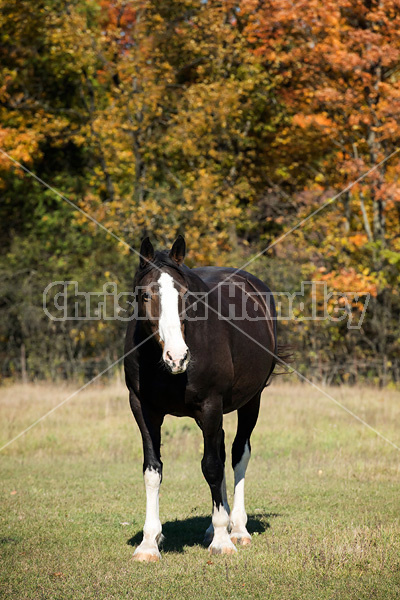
(160, 286)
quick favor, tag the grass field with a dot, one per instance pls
(323, 498)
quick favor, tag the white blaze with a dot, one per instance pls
(170, 324)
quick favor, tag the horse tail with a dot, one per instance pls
(284, 356)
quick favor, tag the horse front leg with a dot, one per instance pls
(150, 428)
(213, 470)
(209, 534)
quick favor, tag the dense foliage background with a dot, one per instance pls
(226, 121)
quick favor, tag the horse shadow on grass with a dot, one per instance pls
(190, 532)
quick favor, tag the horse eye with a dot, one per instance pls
(146, 297)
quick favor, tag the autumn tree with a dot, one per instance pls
(339, 67)
(227, 121)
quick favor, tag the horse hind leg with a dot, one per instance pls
(241, 450)
(238, 516)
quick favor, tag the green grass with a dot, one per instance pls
(322, 497)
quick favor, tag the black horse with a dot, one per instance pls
(201, 343)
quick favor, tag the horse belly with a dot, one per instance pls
(253, 360)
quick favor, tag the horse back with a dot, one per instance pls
(249, 307)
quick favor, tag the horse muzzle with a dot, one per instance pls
(176, 364)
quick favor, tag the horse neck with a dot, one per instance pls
(200, 328)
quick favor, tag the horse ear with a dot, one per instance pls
(178, 250)
(146, 252)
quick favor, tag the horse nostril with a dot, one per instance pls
(182, 361)
(169, 355)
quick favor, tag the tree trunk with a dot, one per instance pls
(24, 374)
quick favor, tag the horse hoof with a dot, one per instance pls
(146, 557)
(243, 541)
(228, 550)
(222, 549)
